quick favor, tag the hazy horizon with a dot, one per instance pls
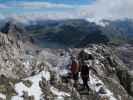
(91, 9)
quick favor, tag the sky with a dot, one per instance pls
(41, 8)
(77, 2)
(93, 10)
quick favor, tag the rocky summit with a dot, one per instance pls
(28, 72)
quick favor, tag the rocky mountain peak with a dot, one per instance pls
(12, 27)
(44, 73)
(32, 73)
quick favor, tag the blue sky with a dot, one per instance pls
(77, 2)
(27, 6)
(92, 9)
(73, 2)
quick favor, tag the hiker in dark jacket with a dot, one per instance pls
(85, 71)
(75, 70)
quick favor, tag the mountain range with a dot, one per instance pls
(74, 32)
(79, 32)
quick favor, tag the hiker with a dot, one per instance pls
(75, 70)
(85, 70)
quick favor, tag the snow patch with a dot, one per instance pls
(87, 51)
(2, 96)
(17, 98)
(59, 93)
(35, 89)
(64, 61)
(95, 80)
(63, 72)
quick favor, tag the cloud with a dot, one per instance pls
(108, 9)
(42, 5)
(96, 11)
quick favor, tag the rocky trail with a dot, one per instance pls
(49, 84)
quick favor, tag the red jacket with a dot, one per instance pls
(74, 67)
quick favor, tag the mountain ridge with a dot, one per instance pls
(25, 67)
(60, 32)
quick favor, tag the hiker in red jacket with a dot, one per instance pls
(75, 70)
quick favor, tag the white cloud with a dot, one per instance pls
(108, 9)
(96, 11)
(42, 5)
(100, 9)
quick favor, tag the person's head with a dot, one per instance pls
(85, 63)
(88, 63)
(73, 58)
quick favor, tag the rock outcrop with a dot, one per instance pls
(30, 73)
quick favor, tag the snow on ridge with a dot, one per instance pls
(2, 96)
(87, 51)
(95, 80)
(35, 89)
(59, 93)
(17, 98)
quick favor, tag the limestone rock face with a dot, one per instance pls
(110, 68)
(18, 59)
(11, 52)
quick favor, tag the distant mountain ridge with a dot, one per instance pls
(76, 32)
(120, 28)
(67, 32)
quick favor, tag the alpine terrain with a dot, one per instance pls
(29, 71)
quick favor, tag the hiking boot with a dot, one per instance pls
(88, 89)
(82, 89)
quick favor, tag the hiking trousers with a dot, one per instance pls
(85, 82)
(76, 76)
